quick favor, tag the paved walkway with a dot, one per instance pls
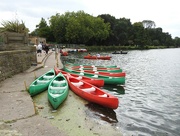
(17, 115)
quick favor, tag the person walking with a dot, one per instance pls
(46, 48)
(39, 49)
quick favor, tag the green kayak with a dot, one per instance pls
(41, 83)
(58, 90)
(107, 79)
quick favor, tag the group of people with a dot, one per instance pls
(40, 47)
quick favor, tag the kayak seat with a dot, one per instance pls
(81, 73)
(59, 83)
(57, 90)
(77, 83)
(79, 77)
(89, 89)
(96, 76)
(104, 95)
(42, 81)
(48, 77)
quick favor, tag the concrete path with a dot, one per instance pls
(17, 115)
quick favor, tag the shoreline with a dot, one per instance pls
(20, 118)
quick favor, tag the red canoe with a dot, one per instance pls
(92, 93)
(95, 57)
(116, 69)
(96, 82)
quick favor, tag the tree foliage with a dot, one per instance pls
(82, 28)
(43, 30)
(78, 27)
(14, 26)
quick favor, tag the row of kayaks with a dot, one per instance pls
(83, 80)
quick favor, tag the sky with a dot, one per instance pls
(165, 13)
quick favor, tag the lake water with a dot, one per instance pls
(150, 99)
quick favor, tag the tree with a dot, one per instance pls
(78, 27)
(14, 26)
(177, 41)
(43, 30)
(139, 37)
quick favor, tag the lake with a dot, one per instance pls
(150, 99)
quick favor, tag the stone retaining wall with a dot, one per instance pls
(15, 54)
(14, 62)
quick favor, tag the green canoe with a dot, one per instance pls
(107, 79)
(41, 83)
(58, 90)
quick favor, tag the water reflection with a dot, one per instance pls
(114, 88)
(100, 112)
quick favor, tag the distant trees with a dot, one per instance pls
(82, 28)
(79, 27)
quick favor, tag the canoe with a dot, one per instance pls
(120, 74)
(58, 90)
(96, 82)
(88, 66)
(96, 58)
(92, 93)
(41, 83)
(120, 52)
(107, 79)
(100, 69)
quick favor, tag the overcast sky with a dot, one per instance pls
(165, 13)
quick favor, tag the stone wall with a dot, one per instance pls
(15, 54)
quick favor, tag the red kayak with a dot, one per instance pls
(120, 74)
(96, 82)
(92, 93)
(96, 58)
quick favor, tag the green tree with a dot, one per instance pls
(139, 37)
(78, 27)
(111, 39)
(43, 30)
(177, 41)
(14, 26)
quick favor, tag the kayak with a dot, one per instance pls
(92, 93)
(96, 82)
(58, 90)
(102, 69)
(120, 52)
(120, 74)
(96, 58)
(88, 66)
(107, 79)
(41, 83)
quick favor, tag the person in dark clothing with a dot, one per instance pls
(46, 48)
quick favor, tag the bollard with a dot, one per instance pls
(25, 86)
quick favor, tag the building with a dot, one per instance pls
(35, 40)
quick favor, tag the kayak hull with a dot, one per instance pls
(58, 90)
(92, 93)
(41, 83)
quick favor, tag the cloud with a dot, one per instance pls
(164, 13)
